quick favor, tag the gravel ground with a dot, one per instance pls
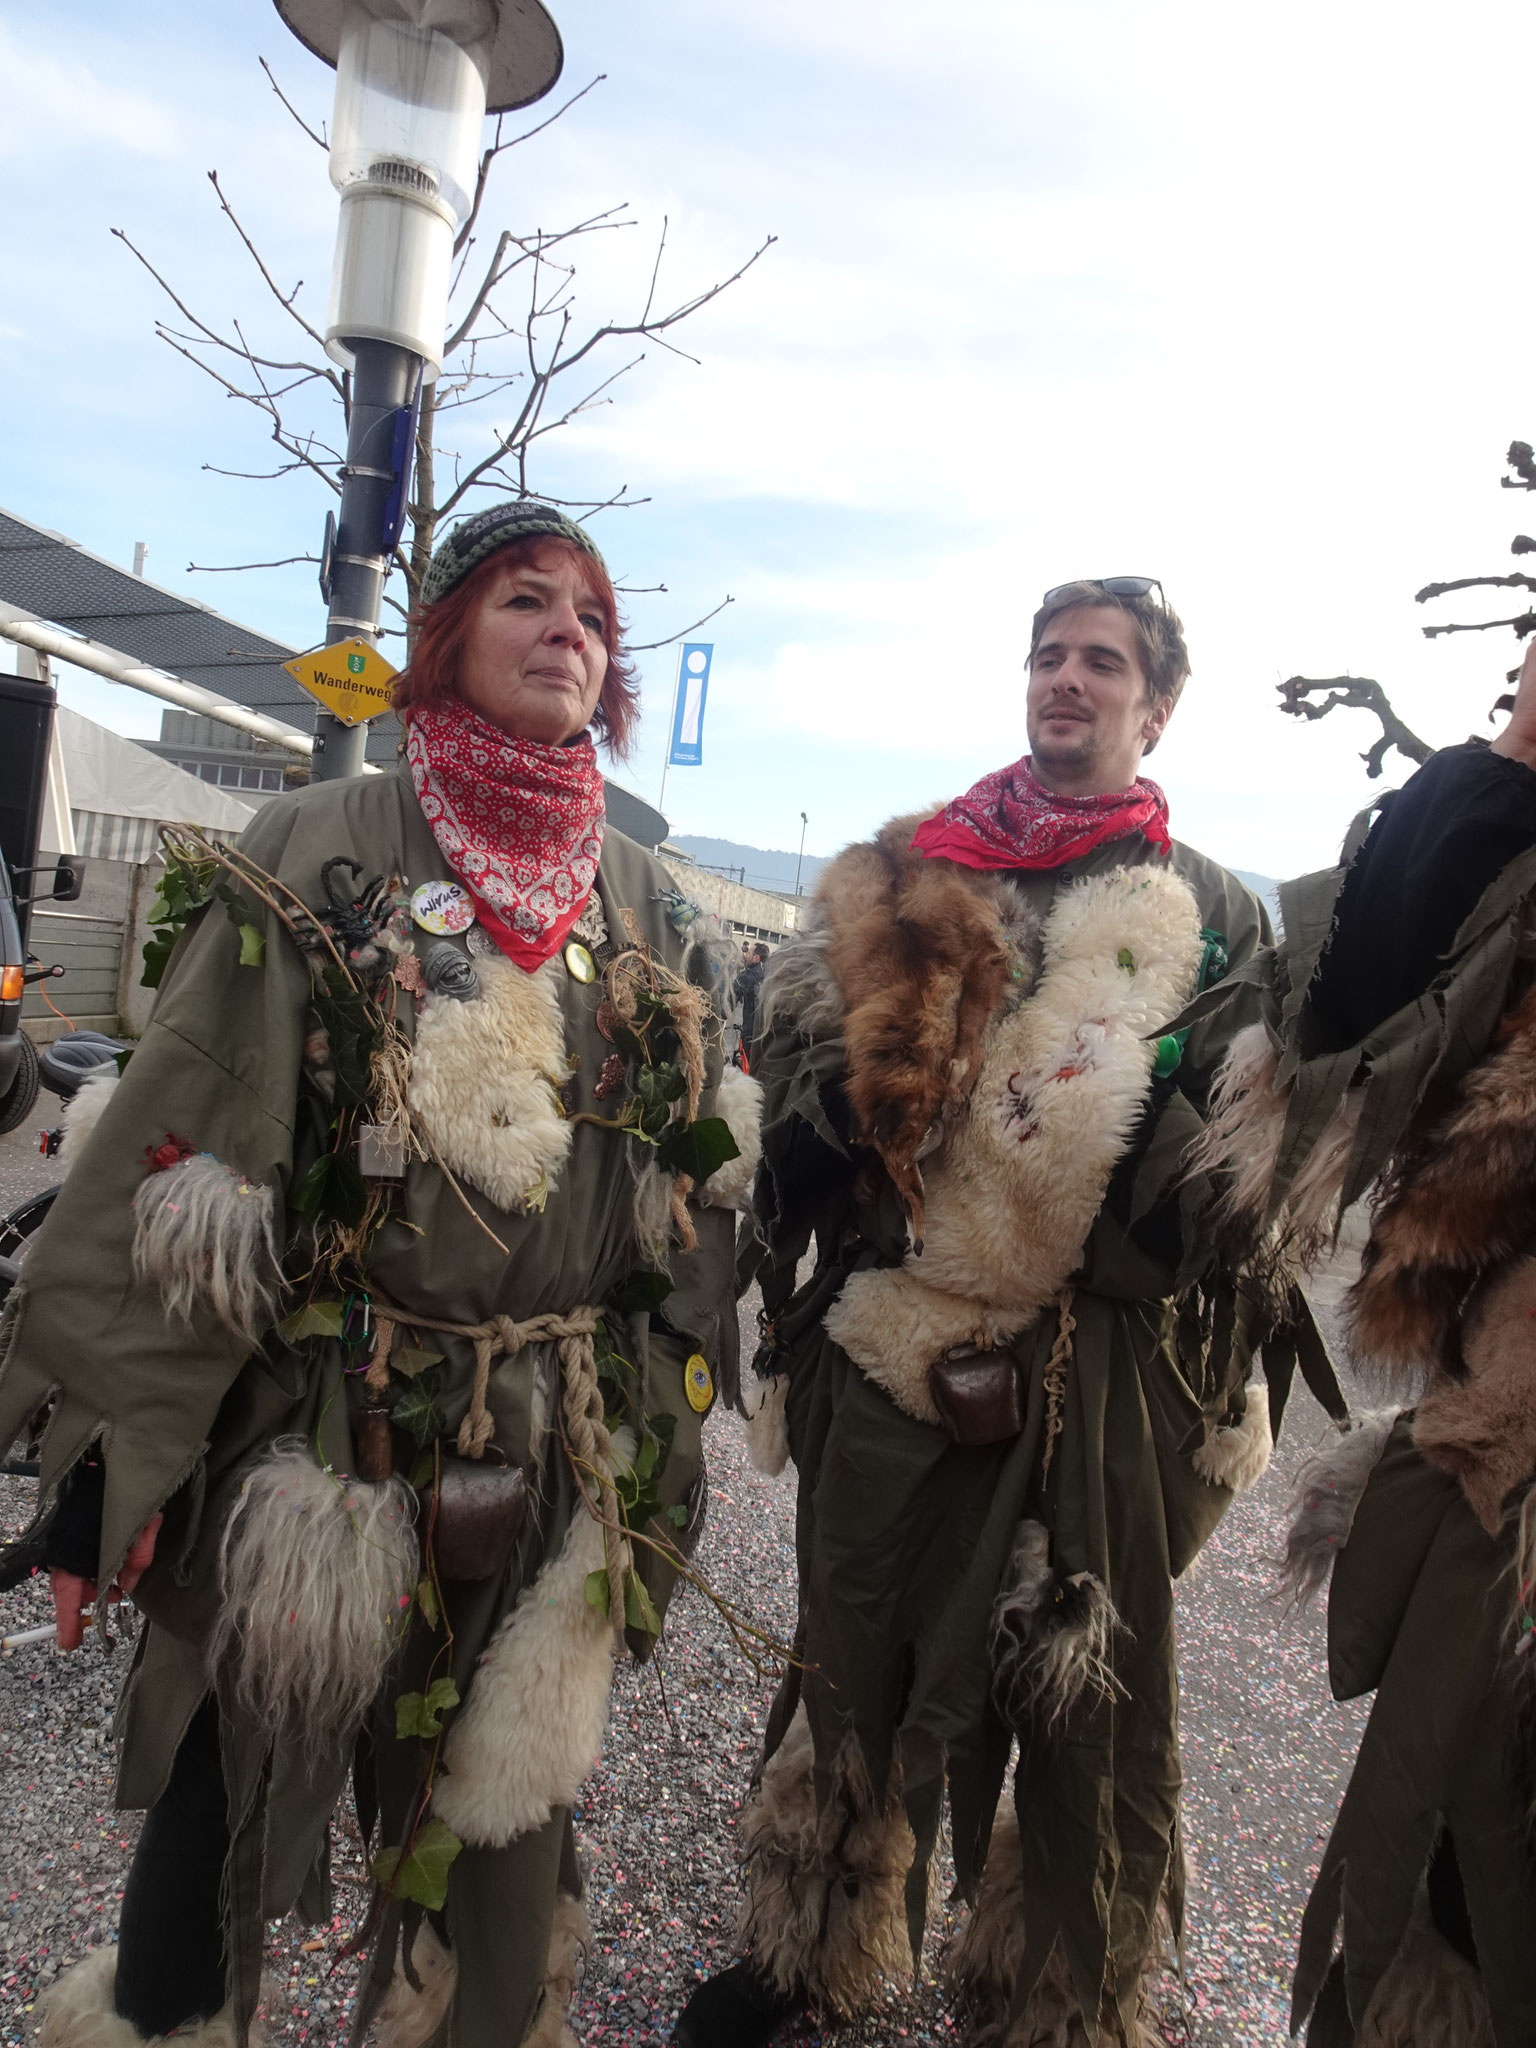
(1265, 1755)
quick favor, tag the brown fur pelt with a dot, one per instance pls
(1481, 1425)
(919, 951)
(981, 1967)
(824, 1911)
(1428, 1997)
(1459, 1200)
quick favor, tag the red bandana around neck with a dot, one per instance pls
(519, 821)
(1009, 820)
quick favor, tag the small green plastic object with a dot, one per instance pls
(1169, 1051)
(1127, 959)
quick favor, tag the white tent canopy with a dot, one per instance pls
(116, 792)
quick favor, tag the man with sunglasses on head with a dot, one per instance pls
(1015, 1386)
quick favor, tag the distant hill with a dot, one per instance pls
(769, 868)
(766, 868)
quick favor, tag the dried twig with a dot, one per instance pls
(1356, 693)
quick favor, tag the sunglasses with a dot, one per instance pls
(1112, 586)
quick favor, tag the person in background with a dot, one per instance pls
(748, 986)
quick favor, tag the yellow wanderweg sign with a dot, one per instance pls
(350, 679)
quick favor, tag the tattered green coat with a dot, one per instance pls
(904, 1535)
(181, 1410)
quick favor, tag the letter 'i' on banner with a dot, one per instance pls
(693, 665)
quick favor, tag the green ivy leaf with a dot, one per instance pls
(639, 1607)
(662, 1427)
(314, 1319)
(422, 1713)
(643, 1292)
(158, 949)
(426, 1600)
(597, 1590)
(410, 1361)
(422, 1874)
(677, 1515)
(253, 946)
(417, 1410)
(696, 1149)
(332, 1190)
(422, 1470)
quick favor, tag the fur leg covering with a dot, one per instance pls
(740, 1103)
(484, 1082)
(1050, 1638)
(1238, 1455)
(408, 2019)
(768, 1429)
(981, 1967)
(824, 1911)
(533, 1725)
(1481, 1427)
(203, 1236)
(1323, 1503)
(79, 2013)
(313, 1568)
(1428, 1997)
(83, 1111)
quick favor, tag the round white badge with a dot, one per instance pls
(442, 907)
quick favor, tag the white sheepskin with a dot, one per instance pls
(203, 1236)
(1238, 1455)
(1327, 1492)
(83, 1111)
(79, 2013)
(533, 1724)
(409, 2019)
(313, 1567)
(484, 1082)
(1011, 1197)
(768, 1429)
(740, 1102)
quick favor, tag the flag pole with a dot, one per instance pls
(666, 759)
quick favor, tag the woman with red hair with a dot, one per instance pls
(379, 1317)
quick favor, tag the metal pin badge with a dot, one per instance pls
(579, 963)
(380, 1153)
(442, 907)
(698, 1384)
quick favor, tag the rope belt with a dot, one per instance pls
(1055, 1376)
(588, 1442)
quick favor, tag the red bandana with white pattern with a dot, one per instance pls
(1009, 820)
(518, 821)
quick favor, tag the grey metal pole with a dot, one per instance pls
(383, 382)
(800, 856)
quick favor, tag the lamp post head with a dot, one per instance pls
(414, 82)
(522, 51)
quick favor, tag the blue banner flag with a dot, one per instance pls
(693, 666)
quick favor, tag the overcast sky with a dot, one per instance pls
(1232, 296)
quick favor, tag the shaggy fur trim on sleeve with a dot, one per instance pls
(1459, 1202)
(824, 1910)
(740, 1103)
(1481, 1427)
(203, 1235)
(1050, 1637)
(83, 1112)
(533, 1725)
(799, 988)
(1238, 1455)
(1328, 1490)
(768, 1429)
(312, 1570)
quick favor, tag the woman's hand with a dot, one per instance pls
(72, 1594)
(1518, 739)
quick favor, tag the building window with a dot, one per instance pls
(229, 778)
(271, 778)
(208, 770)
(250, 778)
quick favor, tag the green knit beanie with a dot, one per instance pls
(472, 540)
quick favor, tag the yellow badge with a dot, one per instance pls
(699, 1386)
(579, 963)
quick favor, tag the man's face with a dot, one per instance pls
(1089, 711)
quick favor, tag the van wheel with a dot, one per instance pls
(17, 1106)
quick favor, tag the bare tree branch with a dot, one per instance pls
(496, 146)
(285, 301)
(648, 646)
(231, 568)
(1512, 582)
(1525, 623)
(288, 103)
(1356, 693)
(1522, 460)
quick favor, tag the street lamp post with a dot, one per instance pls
(800, 856)
(414, 82)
